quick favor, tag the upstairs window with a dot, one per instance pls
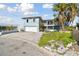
(27, 20)
(48, 22)
(33, 20)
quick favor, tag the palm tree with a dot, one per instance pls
(66, 12)
(60, 8)
(73, 11)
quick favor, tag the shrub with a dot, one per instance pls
(59, 36)
(69, 28)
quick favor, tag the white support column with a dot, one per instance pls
(47, 26)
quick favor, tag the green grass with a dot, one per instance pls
(59, 36)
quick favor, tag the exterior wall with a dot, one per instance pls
(50, 26)
(32, 25)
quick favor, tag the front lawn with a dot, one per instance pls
(66, 38)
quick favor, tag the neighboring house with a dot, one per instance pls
(50, 26)
(33, 24)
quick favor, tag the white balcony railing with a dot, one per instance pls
(49, 24)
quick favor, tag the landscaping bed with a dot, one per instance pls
(58, 42)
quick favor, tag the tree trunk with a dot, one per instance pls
(61, 20)
(62, 26)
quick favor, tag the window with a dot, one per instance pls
(27, 20)
(48, 22)
(33, 20)
(50, 27)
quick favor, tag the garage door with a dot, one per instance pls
(31, 29)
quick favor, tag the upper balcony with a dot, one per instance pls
(45, 24)
(48, 23)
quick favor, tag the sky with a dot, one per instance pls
(12, 13)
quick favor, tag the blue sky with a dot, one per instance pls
(11, 13)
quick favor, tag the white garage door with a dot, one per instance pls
(31, 29)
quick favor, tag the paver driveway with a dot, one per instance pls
(21, 43)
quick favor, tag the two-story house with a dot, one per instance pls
(37, 24)
(33, 24)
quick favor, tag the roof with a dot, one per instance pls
(32, 17)
(48, 20)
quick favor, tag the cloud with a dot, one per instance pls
(23, 8)
(8, 8)
(7, 21)
(12, 9)
(26, 7)
(47, 5)
(31, 13)
(2, 18)
(17, 5)
(47, 16)
(2, 6)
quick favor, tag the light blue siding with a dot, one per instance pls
(31, 23)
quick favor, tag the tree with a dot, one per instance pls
(66, 12)
(71, 11)
(60, 9)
